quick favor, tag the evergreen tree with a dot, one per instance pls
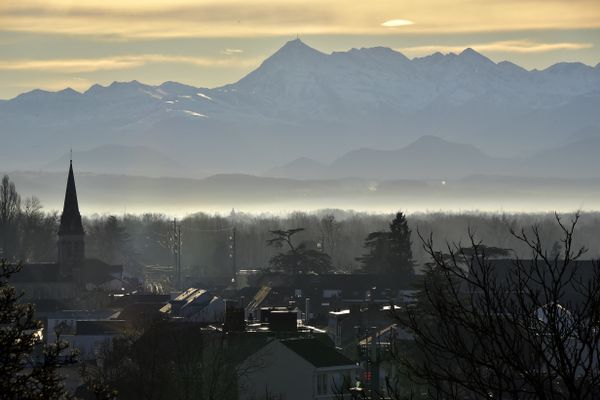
(401, 259)
(24, 373)
(389, 252)
(377, 257)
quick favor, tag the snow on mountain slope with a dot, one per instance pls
(304, 102)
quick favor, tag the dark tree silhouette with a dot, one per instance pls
(37, 231)
(109, 240)
(390, 252)
(10, 209)
(298, 258)
(28, 368)
(512, 328)
(193, 364)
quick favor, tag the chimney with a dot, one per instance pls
(234, 317)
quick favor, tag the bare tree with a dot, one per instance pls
(329, 229)
(299, 258)
(519, 329)
(10, 208)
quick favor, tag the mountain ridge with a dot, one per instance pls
(301, 101)
(291, 44)
(418, 160)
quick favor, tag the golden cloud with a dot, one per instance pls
(230, 52)
(75, 65)
(392, 23)
(508, 46)
(237, 18)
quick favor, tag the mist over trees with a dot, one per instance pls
(342, 234)
(28, 233)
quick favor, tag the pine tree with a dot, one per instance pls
(24, 375)
(401, 260)
(389, 252)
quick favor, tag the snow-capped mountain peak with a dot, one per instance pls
(301, 101)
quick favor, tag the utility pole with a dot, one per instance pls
(232, 251)
(179, 257)
(175, 243)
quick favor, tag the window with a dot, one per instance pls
(322, 384)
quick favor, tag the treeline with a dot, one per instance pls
(341, 234)
(27, 233)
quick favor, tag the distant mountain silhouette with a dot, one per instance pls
(116, 159)
(300, 168)
(302, 102)
(431, 157)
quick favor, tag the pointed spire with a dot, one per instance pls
(70, 220)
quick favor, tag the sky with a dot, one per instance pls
(54, 44)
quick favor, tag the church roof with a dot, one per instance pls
(37, 272)
(70, 220)
(93, 271)
(98, 272)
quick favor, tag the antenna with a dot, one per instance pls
(71, 156)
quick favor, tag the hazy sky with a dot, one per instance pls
(53, 44)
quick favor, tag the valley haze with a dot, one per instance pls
(367, 129)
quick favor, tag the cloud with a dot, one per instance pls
(135, 19)
(507, 46)
(397, 22)
(230, 52)
(76, 65)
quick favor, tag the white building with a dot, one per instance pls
(297, 369)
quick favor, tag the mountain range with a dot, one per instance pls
(431, 157)
(342, 112)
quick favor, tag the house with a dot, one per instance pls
(344, 325)
(297, 369)
(258, 301)
(65, 321)
(196, 305)
(376, 357)
(91, 337)
(325, 292)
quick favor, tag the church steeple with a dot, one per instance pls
(70, 220)
(71, 244)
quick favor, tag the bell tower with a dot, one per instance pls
(71, 244)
